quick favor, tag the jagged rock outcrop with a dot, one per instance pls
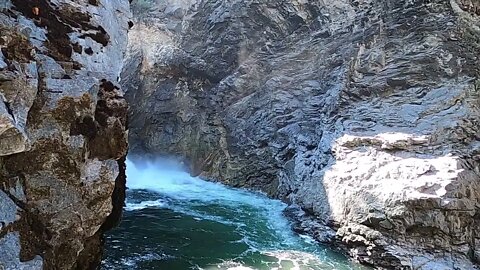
(62, 130)
(363, 113)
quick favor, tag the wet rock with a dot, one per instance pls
(305, 223)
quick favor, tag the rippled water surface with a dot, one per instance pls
(174, 222)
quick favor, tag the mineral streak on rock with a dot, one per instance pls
(363, 114)
(62, 130)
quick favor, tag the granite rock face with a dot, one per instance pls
(364, 115)
(62, 130)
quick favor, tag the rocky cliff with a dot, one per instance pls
(363, 114)
(62, 130)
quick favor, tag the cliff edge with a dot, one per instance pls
(62, 130)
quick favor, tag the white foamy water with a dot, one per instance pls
(169, 180)
(166, 178)
(282, 259)
(143, 205)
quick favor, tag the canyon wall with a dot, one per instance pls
(62, 130)
(362, 114)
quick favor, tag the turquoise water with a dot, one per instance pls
(173, 221)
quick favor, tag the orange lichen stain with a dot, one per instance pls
(36, 11)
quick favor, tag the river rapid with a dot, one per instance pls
(173, 221)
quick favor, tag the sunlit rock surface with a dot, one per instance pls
(365, 114)
(62, 130)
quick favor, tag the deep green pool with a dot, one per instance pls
(174, 222)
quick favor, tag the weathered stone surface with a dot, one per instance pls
(62, 130)
(8, 210)
(10, 255)
(363, 113)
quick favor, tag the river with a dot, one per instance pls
(173, 221)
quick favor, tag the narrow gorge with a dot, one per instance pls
(361, 115)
